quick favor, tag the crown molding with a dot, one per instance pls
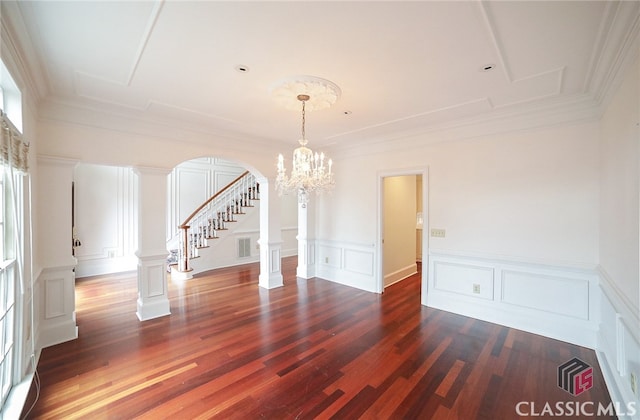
(85, 114)
(561, 111)
(616, 48)
(18, 48)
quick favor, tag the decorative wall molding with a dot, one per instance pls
(621, 301)
(270, 268)
(210, 174)
(577, 266)
(455, 277)
(56, 318)
(553, 301)
(347, 263)
(153, 294)
(618, 341)
(22, 58)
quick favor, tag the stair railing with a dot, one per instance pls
(213, 215)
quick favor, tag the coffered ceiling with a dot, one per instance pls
(403, 67)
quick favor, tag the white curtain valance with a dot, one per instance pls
(14, 151)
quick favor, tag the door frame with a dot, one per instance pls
(424, 171)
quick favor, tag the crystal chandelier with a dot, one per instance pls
(310, 171)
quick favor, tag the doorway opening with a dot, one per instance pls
(402, 209)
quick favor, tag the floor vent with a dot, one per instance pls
(244, 247)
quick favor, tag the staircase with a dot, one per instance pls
(210, 219)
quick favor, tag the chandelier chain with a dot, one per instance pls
(303, 121)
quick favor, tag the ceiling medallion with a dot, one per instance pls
(322, 93)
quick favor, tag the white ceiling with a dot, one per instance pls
(403, 67)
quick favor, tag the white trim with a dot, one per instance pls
(379, 275)
(618, 341)
(497, 258)
(400, 274)
(567, 308)
(619, 300)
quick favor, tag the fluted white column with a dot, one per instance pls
(153, 297)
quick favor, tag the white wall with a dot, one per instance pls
(522, 195)
(619, 191)
(520, 210)
(191, 183)
(619, 333)
(530, 195)
(105, 219)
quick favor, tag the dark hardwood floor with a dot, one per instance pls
(311, 349)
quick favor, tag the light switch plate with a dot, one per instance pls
(438, 233)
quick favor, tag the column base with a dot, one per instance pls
(270, 281)
(155, 309)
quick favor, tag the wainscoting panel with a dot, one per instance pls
(556, 295)
(57, 319)
(54, 297)
(359, 262)
(553, 301)
(461, 279)
(345, 263)
(618, 343)
(331, 256)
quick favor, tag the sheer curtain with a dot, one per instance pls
(14, 159)
(14, 151)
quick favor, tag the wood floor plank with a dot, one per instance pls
(311, 349)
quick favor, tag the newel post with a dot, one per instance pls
(183, 264)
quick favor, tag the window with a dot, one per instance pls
(7, 292)
(13, 172)
(10, 98)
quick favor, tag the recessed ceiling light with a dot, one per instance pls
(242, 68)
(487, 67)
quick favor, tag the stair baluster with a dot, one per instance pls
(213, 215)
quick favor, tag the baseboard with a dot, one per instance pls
(52, 334)
(400, 274)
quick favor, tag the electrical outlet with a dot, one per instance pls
(634, 383)
(438, 233)
(476, 288)
(326, 260)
